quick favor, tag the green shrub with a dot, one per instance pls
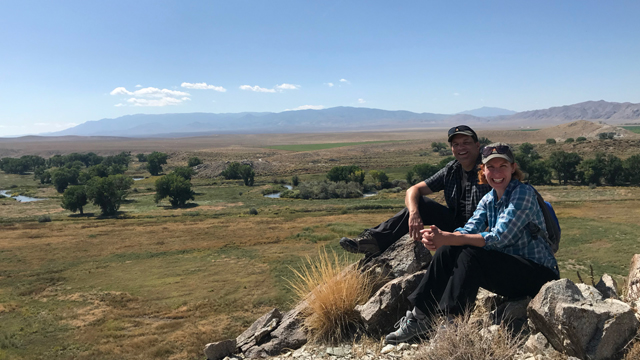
(295, 180)
(425, 171)
(437, 146)
(329, 190)
(346, 173)
(44, 218)
(581, 139)
(273, 190)
(551, 141)
(484, 141)
(253, 211)
(194, 161)
(569, 140)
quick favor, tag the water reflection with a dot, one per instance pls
(20, 198)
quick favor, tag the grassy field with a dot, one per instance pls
(159, 283)
(311, 147)
(635, 129)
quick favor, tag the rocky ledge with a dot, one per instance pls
(564, 320)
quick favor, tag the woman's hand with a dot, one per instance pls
(433, 238)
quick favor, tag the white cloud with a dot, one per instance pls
(345, 81)
(157, 102)
(329, 84)
(138, 85)
(120, 91)
(288, 87)
(307, 107)
(456, 94)
(361, 101)
(202, 86)
(256, 89)
(148, 92)
(151, 96)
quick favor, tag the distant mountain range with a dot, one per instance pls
(344, 119)
(488, 112)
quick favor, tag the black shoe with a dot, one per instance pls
(363, 244)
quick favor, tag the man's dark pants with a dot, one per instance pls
(431, 212)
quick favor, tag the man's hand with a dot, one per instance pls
(415, 226)
(433, 238)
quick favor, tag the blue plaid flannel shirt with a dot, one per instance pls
(508, 221)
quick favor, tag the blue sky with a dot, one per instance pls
(67, 62)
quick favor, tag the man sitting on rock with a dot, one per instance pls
(462, 192)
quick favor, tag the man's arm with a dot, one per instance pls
(411, 201)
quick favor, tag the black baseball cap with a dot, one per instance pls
(463, 130)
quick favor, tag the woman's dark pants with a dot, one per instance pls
(451, 282)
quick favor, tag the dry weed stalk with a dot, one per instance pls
(332, 288)
(470, 338)
(633, 349)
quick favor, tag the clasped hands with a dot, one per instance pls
(433, 237)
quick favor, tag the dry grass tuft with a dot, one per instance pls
(633, 352)
(470, 338)
(332, 288)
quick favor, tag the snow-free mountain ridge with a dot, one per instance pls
(344, 119)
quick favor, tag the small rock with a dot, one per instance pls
(387, 349)
(403, 346)
(590, 292)
(219, 350)
(337, 351)
(607, 287)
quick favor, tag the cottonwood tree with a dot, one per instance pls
(109, 192)
(346, 174)
(176, 188)
(63, 177)
(530, 162)
(155, 160)
(184, 172)
(632, 169)
(564, 164)
(74, 198)
(247, 174)
(425, 171)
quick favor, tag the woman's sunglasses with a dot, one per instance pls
(500, 149)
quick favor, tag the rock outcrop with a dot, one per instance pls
(389, 303)
(580, 326)
(633, 281)
(220, 350)
(403, 257)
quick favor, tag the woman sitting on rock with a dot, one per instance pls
(495, 250)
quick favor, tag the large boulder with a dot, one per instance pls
(403, 257)
(257, 332)
(579, 326)
(633, 281)
(389, 303)
(289, 334)
(220, 350)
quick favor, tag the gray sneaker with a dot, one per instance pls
(365, 243)
(409, 328)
